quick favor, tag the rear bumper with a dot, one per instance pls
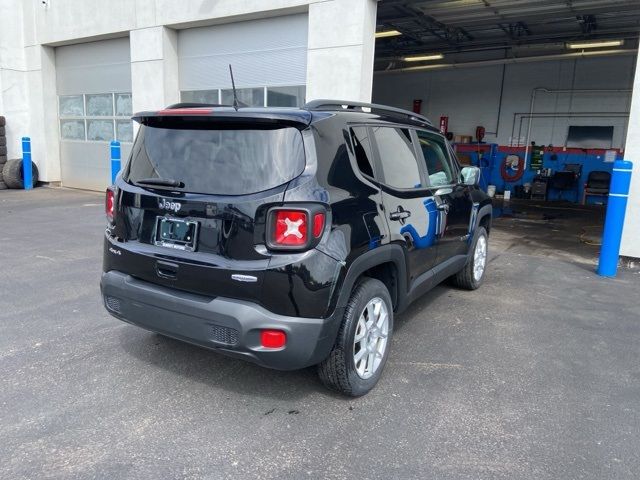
(229, 326)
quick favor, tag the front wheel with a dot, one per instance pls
(471, 276)
(357, 359)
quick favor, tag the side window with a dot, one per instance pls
(439, 166)
(362, 150)
(397, 157)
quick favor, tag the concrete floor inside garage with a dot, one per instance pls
(534, 376)
(556, 230)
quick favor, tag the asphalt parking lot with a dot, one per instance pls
(534, 376)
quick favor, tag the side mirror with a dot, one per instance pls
(471, 176)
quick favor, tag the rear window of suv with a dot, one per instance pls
(220, 162)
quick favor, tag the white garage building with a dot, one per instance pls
(73, 71)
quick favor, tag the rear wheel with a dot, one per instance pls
(471, 276)
(357, 359)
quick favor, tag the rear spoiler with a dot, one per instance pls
(203, 117)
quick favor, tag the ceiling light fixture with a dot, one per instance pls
(388, 33)
(596, 44)
(424, 58)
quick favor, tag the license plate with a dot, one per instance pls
(176, 233)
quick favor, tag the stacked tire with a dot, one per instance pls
(3, 151)
(11, 170)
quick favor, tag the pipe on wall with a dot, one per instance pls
(504, 73)
(573, 115)
(548, 90)
(535, 115)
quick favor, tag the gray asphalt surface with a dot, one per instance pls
(534, 376)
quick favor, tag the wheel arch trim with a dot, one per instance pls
(484, 211)
(384, 254)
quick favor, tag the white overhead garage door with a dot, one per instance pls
(269, 59)
(94, 107)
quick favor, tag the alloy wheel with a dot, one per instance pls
(370, 340)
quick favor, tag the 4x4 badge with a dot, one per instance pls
(168, 205)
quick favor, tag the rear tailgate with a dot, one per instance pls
(201, 237)
(225, 244)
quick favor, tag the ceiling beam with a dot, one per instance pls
(452, 36)
(478, 20)
(498, 43)
(587, 23)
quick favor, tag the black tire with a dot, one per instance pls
(3, 141)
(338, 371)
(465, 278)
(3, 186)
(3, 159)
(3, 150)
(3, 131)
(3, 122)
(12, 173)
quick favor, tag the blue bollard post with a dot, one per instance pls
(614, 221)
(27, 174)
(115, 160)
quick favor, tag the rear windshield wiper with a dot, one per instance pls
(160, 182)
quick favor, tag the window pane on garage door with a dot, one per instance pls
(124, 131)
(286, 96)
(71, 106)
(100, 130)
(99, 105)
(123, 104)
(72, 129)
(200, 96)
(252, 97)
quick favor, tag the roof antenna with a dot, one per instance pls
(235, 94)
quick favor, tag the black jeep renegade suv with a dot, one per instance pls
(289, 237)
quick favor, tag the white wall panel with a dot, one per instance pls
(94, 67)
(470, 97)
(270, 51)
(87, 165)
(631, 233)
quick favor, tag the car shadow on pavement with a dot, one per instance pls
(420, 304)
(218, 371)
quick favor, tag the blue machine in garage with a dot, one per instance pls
(563, 171)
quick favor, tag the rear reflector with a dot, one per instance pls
(273, 338)
(318, 224)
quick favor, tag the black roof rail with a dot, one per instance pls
(323, 104)
(195, 105)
